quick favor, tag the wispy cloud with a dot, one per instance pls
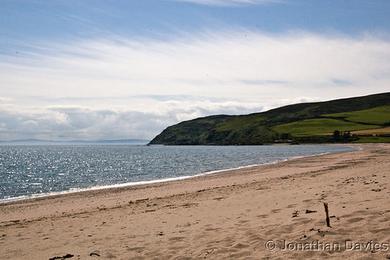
(230, 2)
(141, 86)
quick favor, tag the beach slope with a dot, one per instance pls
(261, 212)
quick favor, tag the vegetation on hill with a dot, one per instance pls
(377, 116)
(320, 126)
(331, 121)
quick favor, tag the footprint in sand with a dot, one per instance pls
(241, 222)
(354, 220)
(138, 249)
(212, 229)
(240, 245)
(291, 206)
(175, 239)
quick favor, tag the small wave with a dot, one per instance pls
(148, 182)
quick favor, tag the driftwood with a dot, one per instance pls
(61, 257)
(327, 214)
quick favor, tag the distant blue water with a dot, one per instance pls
(39, 169)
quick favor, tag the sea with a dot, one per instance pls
(42, 170)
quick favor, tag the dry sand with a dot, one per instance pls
(221, 216)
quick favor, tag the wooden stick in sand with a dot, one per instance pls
(327, 214)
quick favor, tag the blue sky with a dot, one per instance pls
(33, 20)
(97, 69)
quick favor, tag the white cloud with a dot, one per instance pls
(70, 123)
(127, 88)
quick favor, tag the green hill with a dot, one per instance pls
(329, 121)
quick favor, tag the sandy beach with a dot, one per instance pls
(264, 212)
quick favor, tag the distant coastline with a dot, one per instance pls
(46, 142)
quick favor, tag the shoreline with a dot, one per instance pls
(145, 184)
(223, 215)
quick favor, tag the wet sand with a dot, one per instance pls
(220, 216)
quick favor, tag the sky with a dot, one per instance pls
(119, 69)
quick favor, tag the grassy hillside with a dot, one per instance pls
(376, 131)
(305, 122)
(321, 126)
(377, 115)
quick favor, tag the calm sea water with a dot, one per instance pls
(41, 169)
